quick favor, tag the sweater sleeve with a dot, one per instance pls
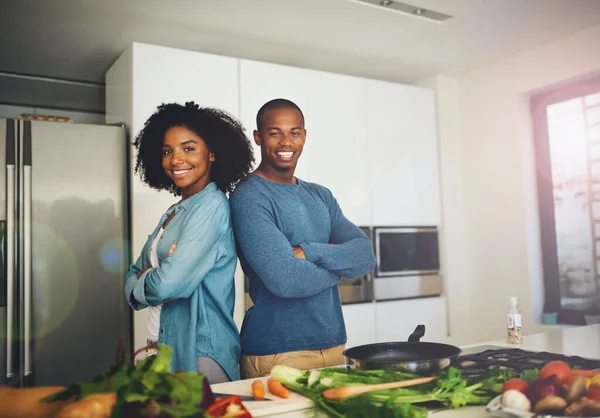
(270, 254)
(349, 252)
(195, 255)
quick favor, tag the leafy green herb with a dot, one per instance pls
(495, 379)
(530, 375)
(146, 388)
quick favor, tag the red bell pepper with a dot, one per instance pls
(228, 407)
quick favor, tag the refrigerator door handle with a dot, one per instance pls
(10, 269)
(10, 250)
(27, 258)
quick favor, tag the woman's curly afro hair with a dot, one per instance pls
(224, 136)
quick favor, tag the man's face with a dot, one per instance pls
(281, 138)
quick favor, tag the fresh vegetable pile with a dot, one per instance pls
(449, 390)
(558, 390)
(147, 389)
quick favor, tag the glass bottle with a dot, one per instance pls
(513, 321)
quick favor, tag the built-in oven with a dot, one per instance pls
(408, 262)
(358, 290)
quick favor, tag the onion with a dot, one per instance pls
(516, 400)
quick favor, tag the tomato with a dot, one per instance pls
(563, 375)
(516, 384)
(593, 393)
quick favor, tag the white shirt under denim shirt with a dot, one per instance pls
(154, 311)
(197, 279)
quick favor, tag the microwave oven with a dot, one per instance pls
(406, 251)
(408, 263)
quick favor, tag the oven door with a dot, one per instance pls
(356, 290)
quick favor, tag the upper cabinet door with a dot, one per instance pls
(164, 75)
(403, 151)
(335, 150)
(261, 82)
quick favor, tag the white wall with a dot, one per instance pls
(491, 231)
(453, 251)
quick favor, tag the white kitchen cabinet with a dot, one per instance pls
(404, 173)
(144, 77)
(164, 75)
(396, 320)
(360, 323)
(334, 110)
(336, 146)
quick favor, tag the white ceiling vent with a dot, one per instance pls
(405, 9)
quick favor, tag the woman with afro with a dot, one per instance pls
(184, 273)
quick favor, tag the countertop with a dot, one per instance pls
(582, 341)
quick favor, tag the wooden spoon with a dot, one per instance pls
(343, 392)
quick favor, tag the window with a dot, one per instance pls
(566, 124)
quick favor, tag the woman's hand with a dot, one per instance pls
(142, 271)
(299, 252)
(148, 268)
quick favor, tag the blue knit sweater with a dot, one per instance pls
(296, 302)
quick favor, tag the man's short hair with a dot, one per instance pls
(276, 104)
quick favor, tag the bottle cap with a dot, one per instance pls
(513, 301)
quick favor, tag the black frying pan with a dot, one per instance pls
(412, 356)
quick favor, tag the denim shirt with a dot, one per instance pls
(195, 283)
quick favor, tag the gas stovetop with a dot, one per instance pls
(477, 364)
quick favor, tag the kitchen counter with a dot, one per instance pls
(582, 341)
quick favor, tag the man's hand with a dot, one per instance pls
(299, 252)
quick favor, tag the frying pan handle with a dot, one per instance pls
(417, 334)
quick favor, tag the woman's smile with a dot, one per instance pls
(180, 173)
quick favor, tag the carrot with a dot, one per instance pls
(586, 373)
(93, 406)
(25, 403)
(276, 388)
(258, 390)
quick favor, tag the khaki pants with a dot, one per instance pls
(257, 366)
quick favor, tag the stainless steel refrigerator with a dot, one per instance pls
(64, 229)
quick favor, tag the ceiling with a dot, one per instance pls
(80, 39)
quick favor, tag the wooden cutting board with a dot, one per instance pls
(276, 406)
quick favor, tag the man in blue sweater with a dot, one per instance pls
(294, 245)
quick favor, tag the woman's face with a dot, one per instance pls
(186, 159)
